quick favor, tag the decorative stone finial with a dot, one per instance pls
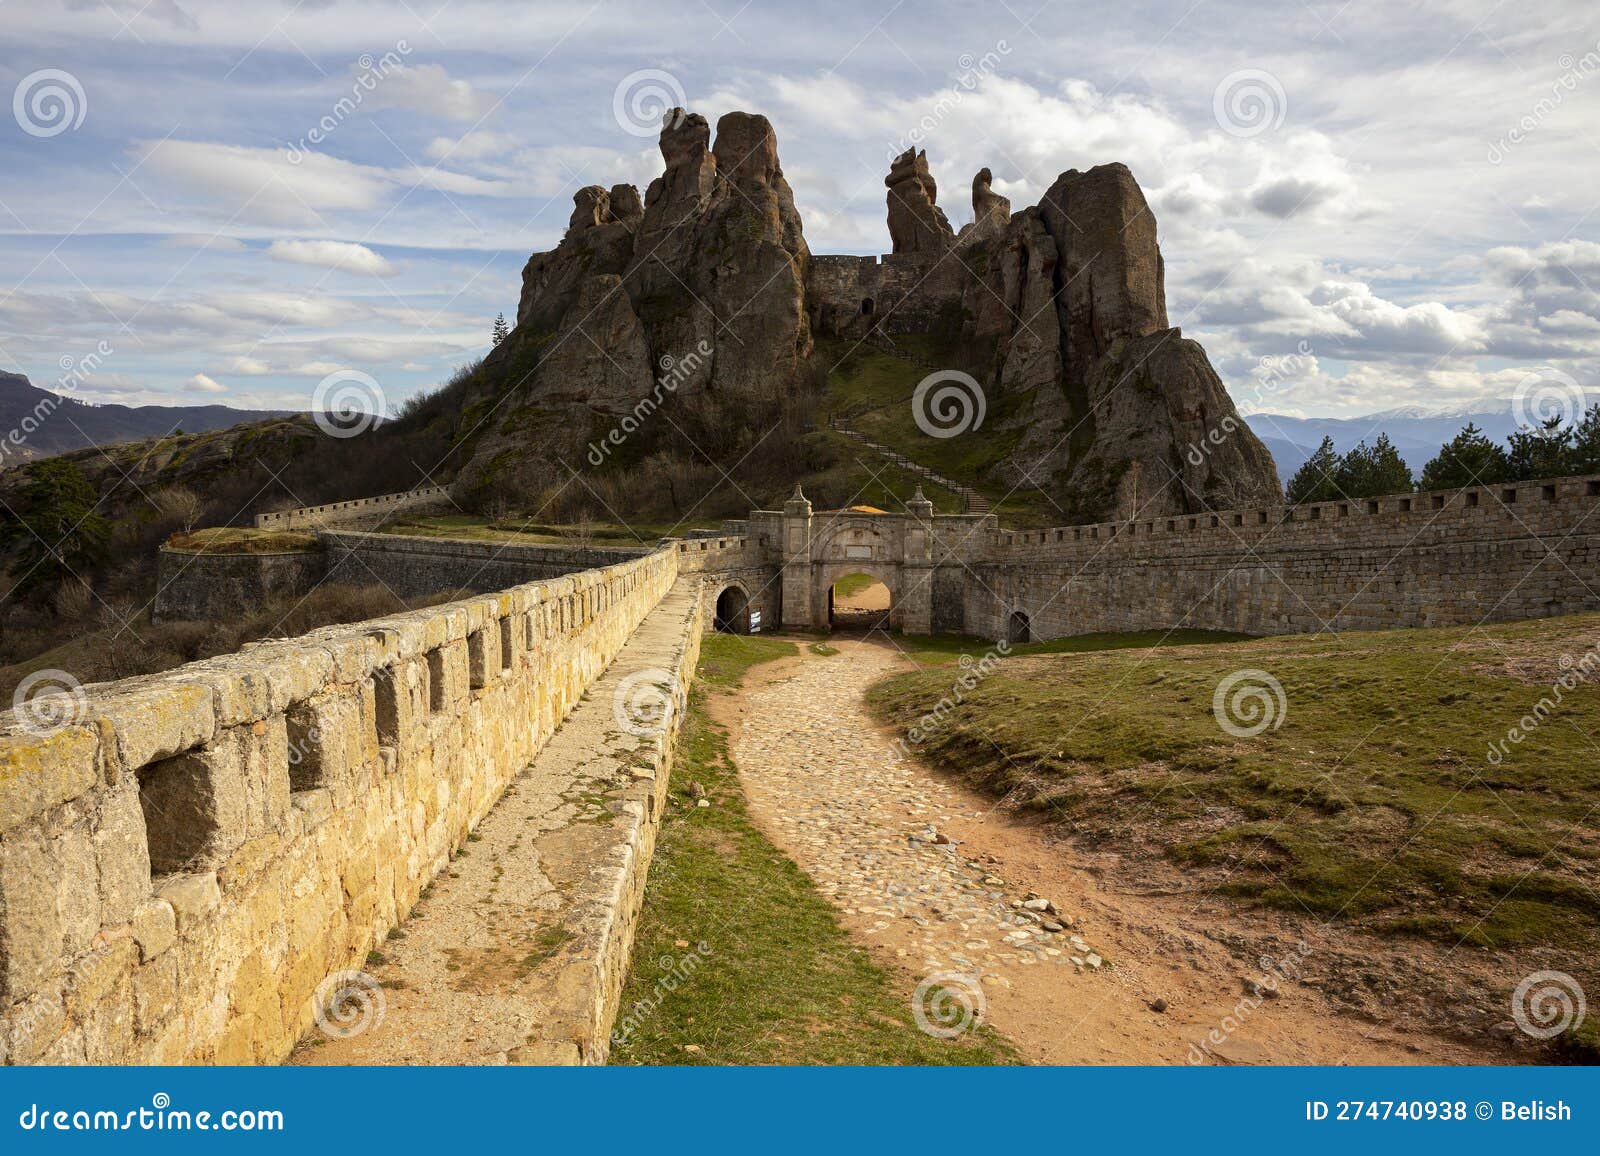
(797, 496)
(917, 497)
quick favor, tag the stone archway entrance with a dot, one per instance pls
(859, 602)
(1018, 628)
(732, 615)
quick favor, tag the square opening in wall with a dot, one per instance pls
(1508, 496)
(179, 802)
(1372, 507)
(1549, 493)
(305, 749)
(1472, 497)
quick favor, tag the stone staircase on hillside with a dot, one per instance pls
(974, 502)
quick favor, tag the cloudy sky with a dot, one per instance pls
(239, 199)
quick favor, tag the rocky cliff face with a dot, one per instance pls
(698, 295)
(1069, 315)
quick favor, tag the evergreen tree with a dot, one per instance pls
(1468, 459)
(501, 329)
(1586, 443)
(56, 532)
(1545, 452)
(1314, 481)
(1372, 471)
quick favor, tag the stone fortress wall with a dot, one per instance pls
(1484, 553)
(354, 511)
(899, 292)
(184, 864)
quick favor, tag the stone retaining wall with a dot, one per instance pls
(191, 584)
(414, 567)
(188, 859)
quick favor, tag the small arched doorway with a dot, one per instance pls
(866, 307)
(1018, 629)
(732, 614)
(858, 602)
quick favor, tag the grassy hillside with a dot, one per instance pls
(1375, 802)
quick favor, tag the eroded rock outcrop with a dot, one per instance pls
(1069, 319)
(700, 293)
(916, 222)
(704, 277)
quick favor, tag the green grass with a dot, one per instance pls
(513, 529)
(853, 584)
(1374, 803)
(243, 540)
(772, 976)
(873, 390)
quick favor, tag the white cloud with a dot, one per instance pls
(428, 88)
(216, 242)
(344, 255)
(201, 383)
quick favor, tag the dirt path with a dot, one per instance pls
(823, 784)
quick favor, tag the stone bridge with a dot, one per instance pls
(189, 860)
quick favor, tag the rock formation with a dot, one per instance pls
(706, 276)
(1071, 300)
(990, 211)
(1058, 310)
(916, 222)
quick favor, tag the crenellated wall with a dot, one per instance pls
(1488, 553)
(354, 511)
(186, 861)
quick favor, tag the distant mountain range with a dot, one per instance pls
(64, 423)
(1416, 431)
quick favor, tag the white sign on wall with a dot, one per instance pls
(755, 622)
(858, 551)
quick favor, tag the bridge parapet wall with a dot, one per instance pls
(193, 853)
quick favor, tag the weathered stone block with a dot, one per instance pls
(155, 994)
(40, 772)
(160, 720)
(155, 928)
(194, 898)
(122, 854)
(31, 940)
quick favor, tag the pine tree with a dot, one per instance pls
(1372, 471)
(501, 329)
(1314, 481)
(1586, 443)
(1468, 459)
(1545, 452)
(56, 532)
